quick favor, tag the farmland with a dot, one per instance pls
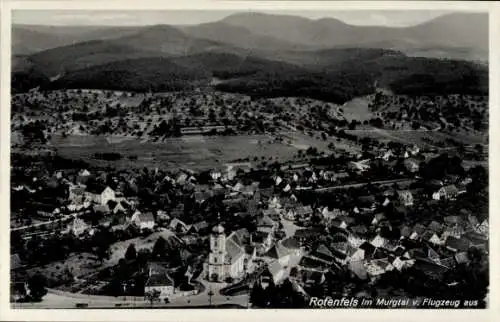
(418, 137)
(196, 152)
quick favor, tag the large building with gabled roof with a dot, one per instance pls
(231, 256)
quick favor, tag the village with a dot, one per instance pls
(244, 234)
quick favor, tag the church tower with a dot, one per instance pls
(217, 255)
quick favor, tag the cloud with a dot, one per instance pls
(145, 17)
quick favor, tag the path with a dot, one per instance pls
(355, 185)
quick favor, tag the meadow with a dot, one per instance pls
(196, 152)
(419, 137)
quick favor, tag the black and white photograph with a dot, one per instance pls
(249, 159)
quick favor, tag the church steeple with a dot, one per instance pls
(218, 239)
(219, 229)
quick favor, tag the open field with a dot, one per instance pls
(303, 141)
(357, 109)
(418, 137)
(195, 152)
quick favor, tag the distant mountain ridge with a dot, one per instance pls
(456, 30)
(257, 53)
(266, 31)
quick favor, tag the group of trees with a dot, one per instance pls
(283, 295)
(33, 290)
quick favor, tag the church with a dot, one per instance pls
(231, 256)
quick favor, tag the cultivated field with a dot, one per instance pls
(196, 152)
(418, 137)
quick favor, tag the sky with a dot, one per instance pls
(189, 17)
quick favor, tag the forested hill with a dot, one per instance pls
(337, 83)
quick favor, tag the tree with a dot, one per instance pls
(160, 248)
(37, 285)
(131, 253)
(256, 294)
(152, 296)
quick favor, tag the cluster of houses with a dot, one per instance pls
(360, 239)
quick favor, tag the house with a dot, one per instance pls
(405, 197)
(261, 240)
(365, 251)
(76, 194)
(417, 231)
(457, 244)
(304, 212)
(293, 245)
(105, 222)
(431, 269)
(359, 166)
(435, 227)
(446, 192)
(431, 237)
(400, 264)
(99, 194)
(340, 251)
(178, 225)
(144, 220)
(433, 255)
(305, 234)
(454, 230)
(412, 165)
(476, 240)
(101, 209)
(201, 196)
(215, 175)
(44, 210)
(77, 226)
(290, 213)
(378, 241)
(162, 215)
(84, 174)
(329, 215)
(199, 227)
(274, 202)
(232, 169)
(278, 272)
(387, 155)
(376, 268)
(472, 221)
(181, 178)
(358, 269)
(159, 280)
(121, 206)
(462, 258)
(272, 213)
(323, 253)
(483, 228)
(265, 223)
(377, 218)
(414, 150)
(279, 253)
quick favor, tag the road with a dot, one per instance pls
(356, 185)
(58, 301)
(45, 223)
